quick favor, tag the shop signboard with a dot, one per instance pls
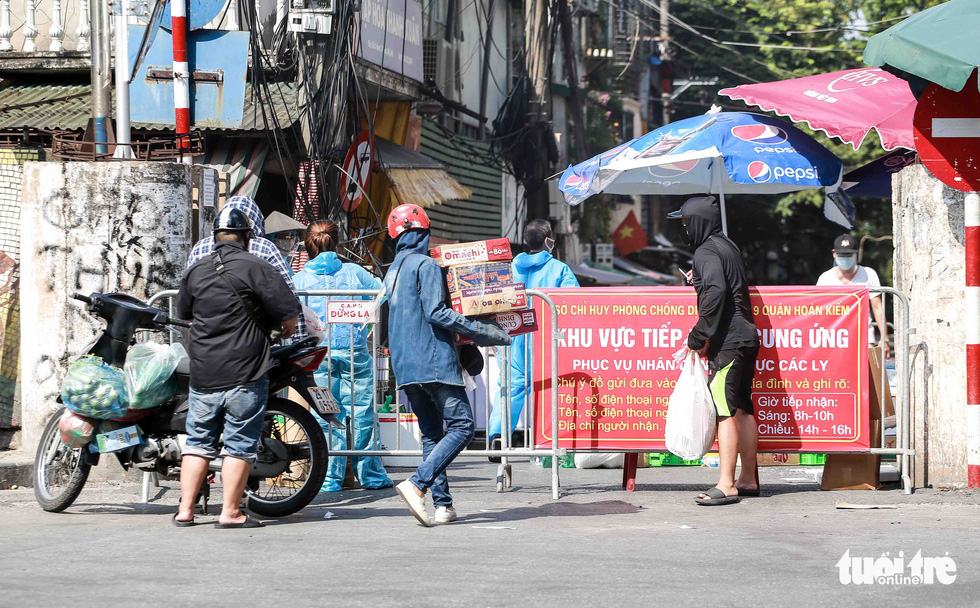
(616, 369)
(390, 36)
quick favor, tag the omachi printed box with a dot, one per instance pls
(485, 274)
(494, 250)
(119, 439)
(515, 323)
(486, 300)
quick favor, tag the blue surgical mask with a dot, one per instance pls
(846, 262)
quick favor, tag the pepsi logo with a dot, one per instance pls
(576, 183)
(759, 172)
(760, 134)
(673, 169)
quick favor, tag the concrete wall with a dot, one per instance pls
(11, 172)
(91, 227)
(929, 270)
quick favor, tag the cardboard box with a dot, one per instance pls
(483, 301)
(851, 472)
(776, 459)
(515, 323)
(494, 250)
(484, 274)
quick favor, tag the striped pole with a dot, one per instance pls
(182, 77)
(972, 242)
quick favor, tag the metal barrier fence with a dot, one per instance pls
(504, 473)
(902, 448)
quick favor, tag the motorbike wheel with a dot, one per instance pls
(59, 471)
(306, 445)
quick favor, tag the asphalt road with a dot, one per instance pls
(597, 546)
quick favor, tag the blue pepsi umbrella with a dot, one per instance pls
(721, 153)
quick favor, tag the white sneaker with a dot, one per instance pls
(416, 503)
(446, 515)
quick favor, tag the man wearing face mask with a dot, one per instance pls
(536, 269)
(847, 271)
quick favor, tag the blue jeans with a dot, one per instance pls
(436, 404)
(235, 413)
(368, 469)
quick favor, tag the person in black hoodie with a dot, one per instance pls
(726, 335)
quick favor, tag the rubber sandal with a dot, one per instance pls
(183, 524)
(716, 498)
(248, 523)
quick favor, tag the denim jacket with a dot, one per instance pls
(420, 325)
(326, 271)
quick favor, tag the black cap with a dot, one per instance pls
(231, 219)
(845, 243)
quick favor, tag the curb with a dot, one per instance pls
(16, 469)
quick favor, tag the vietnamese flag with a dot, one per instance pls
(629, 236)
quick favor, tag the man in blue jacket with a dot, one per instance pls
(536, 269)
(424, 360)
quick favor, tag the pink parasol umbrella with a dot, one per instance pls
(844, 104)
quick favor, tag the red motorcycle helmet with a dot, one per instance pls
(406, 217)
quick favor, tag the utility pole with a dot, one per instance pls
(101, 91)
(123, 131)
(536, 41)
(571, 79)
(665, 83)
(485, 76)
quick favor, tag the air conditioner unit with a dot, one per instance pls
(439, 66)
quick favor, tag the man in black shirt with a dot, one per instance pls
(726, 334)
(230, 359)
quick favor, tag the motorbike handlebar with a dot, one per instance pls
(81, 298)
(178, 323)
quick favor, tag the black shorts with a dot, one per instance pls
(730, 375)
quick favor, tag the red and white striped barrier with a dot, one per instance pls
(182, 76)
(972, 242)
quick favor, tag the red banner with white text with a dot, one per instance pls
(616, 369)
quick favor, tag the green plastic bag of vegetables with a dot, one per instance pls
(149, 374)
(94, 389)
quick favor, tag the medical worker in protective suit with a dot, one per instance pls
(536, 269)
(348, 343)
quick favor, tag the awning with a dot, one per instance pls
(242, 159)
(416, 178)
(657, 277)
(599, 276)
(68, 108)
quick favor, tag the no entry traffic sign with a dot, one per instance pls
(947, 134)
(357, 171)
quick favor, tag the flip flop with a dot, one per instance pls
(715, 498)
(746, 492)
(248, 523)
(183, 524)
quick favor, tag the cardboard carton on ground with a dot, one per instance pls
(483, 274)
(494, 250)
(862, 471)
(515, 323)
(483, 301)
(778, 459)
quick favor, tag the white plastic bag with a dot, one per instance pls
(599, 460)
(691, 413)
(314, 324)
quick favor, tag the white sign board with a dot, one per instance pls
(352, 311)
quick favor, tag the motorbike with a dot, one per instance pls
(292, 452)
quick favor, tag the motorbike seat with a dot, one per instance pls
(184, 366)
(287, 351)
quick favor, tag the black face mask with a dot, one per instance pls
(683, 235)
